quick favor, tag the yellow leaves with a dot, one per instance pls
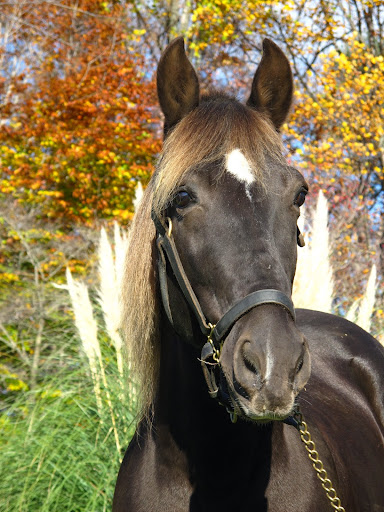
(8, 277)
(338, 153)
(6, 187)
(12, 380)
(106, 156)
(345, 115)
(50, 394)
(50, 193)
(6, 149)
(15, 384)
(122, 214)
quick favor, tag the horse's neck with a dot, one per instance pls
(199, 425)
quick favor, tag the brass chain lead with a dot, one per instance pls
(216, 353)
(316, 462)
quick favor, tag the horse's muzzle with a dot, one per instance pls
(264, 369)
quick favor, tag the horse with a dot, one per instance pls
(232, 379)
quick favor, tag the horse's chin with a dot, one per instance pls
(247, 412)
(266, 418)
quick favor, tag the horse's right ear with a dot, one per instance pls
(177, 84)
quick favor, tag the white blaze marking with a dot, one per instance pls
(239, 167)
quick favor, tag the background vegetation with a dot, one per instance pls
(80, 129)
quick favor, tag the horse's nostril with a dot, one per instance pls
(250, 359)
(248, 370)
(299, 365)
(251, 366)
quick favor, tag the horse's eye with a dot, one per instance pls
(182, 199)
(300, 198)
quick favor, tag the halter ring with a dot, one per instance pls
(169, 221)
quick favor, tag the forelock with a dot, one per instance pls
(217, 127)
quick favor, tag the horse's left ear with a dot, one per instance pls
(177, 84)
(272, 85)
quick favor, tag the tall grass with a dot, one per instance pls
(62, 444)
(57, 447)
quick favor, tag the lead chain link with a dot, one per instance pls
(216, 352)
(316, 462)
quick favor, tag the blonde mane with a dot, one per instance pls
(218, 126)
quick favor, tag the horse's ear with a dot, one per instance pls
(177, 84)
(272, 85)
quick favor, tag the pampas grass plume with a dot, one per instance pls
(121, 244)
(313, 284)
(362, 309)
(138, 195)
(109, 296)
(87, 327)
(367, 304)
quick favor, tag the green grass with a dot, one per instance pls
(57, 451)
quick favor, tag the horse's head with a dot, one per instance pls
(234, 203)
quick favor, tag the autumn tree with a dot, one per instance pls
(77, 123)
(81, 126)
(77, 116)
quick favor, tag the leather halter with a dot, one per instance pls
(210, 353)
(215, 333)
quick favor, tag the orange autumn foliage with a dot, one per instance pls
(77, 121)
